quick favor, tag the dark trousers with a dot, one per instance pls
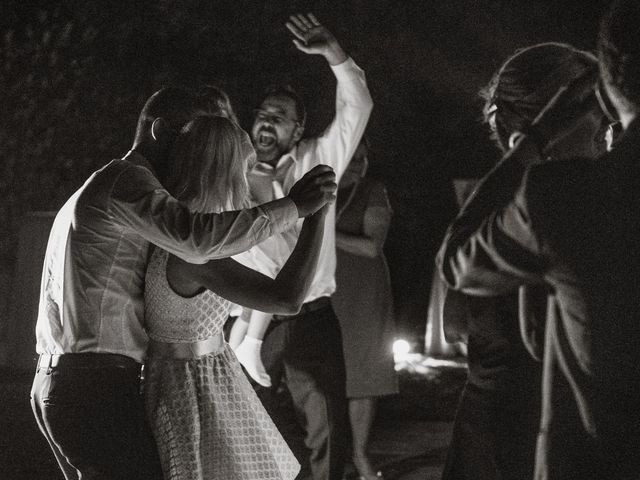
(94, 421)
(307, 351)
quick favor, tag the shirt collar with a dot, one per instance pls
(291, 155)
(283, 162)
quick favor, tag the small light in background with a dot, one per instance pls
(401, 349)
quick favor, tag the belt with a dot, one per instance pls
(185, 351)
(86, 361)
(312, 306)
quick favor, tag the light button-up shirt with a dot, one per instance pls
(334, 147)
(91, 297)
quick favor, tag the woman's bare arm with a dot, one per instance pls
(283, 295)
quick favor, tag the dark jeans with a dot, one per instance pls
(94, 421)
(307, 351)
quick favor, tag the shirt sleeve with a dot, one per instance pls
(266, 257)
(139, 202)
(338, 142)
(495, 257)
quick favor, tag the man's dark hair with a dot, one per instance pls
(287, 91)
(619, 50)
(176, 105)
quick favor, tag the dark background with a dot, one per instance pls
(74, 75)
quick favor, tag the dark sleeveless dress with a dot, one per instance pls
(363, 302)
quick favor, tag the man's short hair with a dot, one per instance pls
(619, 50)
(290, 92)
(176, 105)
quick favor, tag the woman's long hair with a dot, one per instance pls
(526, 82)
(209, 162)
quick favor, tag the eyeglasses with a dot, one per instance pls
(274, 118)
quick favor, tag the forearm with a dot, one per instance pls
(195, 237)
(335, 55)
(471, 266)
(293, 281)
(493, 192)
(496, 255)
(340, 139)
(498, 186)
(351, 88)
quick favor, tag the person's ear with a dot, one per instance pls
(160, 130)
(297, 133)
(513, 138)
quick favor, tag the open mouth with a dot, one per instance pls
(266, 139)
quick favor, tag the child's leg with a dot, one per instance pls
(238, 331)
(248, 352)
(258, 324)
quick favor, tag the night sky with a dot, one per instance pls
(75, 74)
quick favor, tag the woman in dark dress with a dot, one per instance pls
(497, 422)
(363, 301)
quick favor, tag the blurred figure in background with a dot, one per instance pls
(363, 301)
(497, 421)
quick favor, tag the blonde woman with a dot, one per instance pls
(206, 419)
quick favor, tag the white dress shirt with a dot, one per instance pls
(91, 296)
(334, 147)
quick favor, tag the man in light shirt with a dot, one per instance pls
(90, 335)
(307, 349)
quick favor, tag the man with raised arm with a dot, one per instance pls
(306, 349)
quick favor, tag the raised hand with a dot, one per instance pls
(315, 39)
(314, 190)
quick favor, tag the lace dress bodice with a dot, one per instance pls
(170, 317)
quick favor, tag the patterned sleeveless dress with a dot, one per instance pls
(207, 420)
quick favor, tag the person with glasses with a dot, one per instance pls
(306, 349)
(572, 226)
